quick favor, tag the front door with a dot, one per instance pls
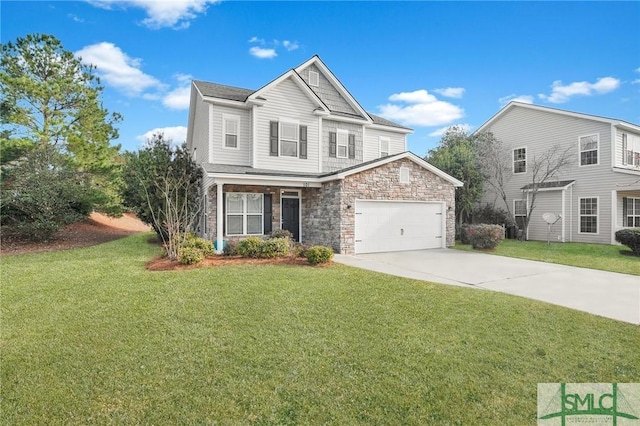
(291, 216)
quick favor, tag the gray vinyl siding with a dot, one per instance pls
(538, 131)
(286, 100)
(546, 202)
(329, 94)
(397, 143)
(331, 164)
(200, 133)
(240, 156)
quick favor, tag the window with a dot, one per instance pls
(631, 212)
(588, 215)
(343, 143)
(588, 150)
(244, 214)
(404, 174)
(630, 150)
(314, 78)
(520, 212)
(231, 128)
(384, 146)
(288, 139)
(520, 160)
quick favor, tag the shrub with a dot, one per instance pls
(190, 255)
(464, 237)
(250, 247)
(230, 248)
(489, 214)
(485, 236)
(206, 246)
(319, 254)
(299, 250)
(630, 238)
(281, 233)
(275, 247)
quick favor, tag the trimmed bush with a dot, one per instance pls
(319, 254)
(191, 255)
(281, 233)
(485, 236)
(250, 247)
(630, 238)
(275, 247)
(299, 250)
(230, 248)
(201, 244)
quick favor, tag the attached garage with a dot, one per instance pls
(382, 226)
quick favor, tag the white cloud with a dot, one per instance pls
(179, 97)
(255, 39)
(117, 69)
(177, 134)
(560, 93)
(441, 131)
(290, 45)
(423, 109)
(176, 14)
(525, 99)
(261, 53)
(451, 92)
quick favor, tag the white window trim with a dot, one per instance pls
(346, 143)
(597, 216)
(525, 207)
(225, 118)
(284, 120)
(317, 78)
(597, 135)
(513, 161)
(631, 142)
(244, 214)
(635, 213)
(405, 172)
(381, 140)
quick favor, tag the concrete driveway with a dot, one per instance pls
(607, 294)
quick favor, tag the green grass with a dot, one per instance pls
(90, 337)
(594, 256)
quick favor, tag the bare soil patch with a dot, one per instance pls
(97, 229)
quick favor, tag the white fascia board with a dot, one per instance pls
(390, 128)
(343, 119)
(336, 83)
(226, 102)
(628, 126)
(556, 188)
(265, 180)
(192, 114)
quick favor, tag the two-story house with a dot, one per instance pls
(598, 194)
(301, 154)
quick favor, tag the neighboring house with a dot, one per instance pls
(301, 154)
(597, 195)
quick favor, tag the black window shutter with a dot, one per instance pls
(303, 141)
(224, 214)
(352, 146)
(273, 138)
(267, 213)
(332, 144)
(625, 204)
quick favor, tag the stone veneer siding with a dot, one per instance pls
(328, 219)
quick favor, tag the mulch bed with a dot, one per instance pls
(164, 264)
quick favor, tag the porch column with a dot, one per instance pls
(219, 217)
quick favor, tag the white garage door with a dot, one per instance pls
(398, 225)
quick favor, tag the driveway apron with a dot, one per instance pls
(607, 294)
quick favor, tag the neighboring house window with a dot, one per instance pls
(588, 150)
(404, 174)
(343, 143)
(384, 146)
(288, 139)
(314, 79)
(231, 129)
(244, 213)
(631, 212)
(588, 215)
(520, 212)
(520, 160)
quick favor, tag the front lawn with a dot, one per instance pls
(89, 336)
(595, 256)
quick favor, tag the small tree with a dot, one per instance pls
(42, 192)
(457, 155)
(162, 185)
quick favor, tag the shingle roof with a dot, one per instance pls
(247, 170)
(559, 184)
(239, 94)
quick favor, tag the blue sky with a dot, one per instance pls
(428, 65)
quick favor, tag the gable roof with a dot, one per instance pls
(215, 90)
(514, 104)
(549, 186)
